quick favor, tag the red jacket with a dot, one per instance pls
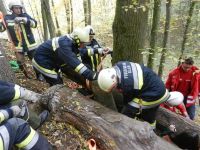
(185, 82)
(180, 109)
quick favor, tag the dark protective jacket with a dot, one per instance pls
(52, 54)
(9, 92)
(20, 33)
(141, 87)
(90, 56)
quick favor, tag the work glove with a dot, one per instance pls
(21, 20)
(104, 51)
(29, 95)
(16, 110)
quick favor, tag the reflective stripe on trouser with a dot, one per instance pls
(47, 72)
(139, 103)
(4, 138)
(29, 141)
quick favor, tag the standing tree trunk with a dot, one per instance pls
(58, 32)
(89, 12)
(129, 30)
(166, 33)
(71, 16)
(185, 36)
(156, 18)
(6, 73)
(2, 7)
(85, 8)
(45, 27)
(51, 27)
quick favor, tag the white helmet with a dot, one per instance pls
(107, 79)
(90, 30)
(175, 98)
(15, 3)
(81, 34)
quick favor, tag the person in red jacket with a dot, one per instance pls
(185, 79)
(176, 104)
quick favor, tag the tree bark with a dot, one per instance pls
(156, 18)
(87, 12)
(2, 7)
(111, 130)
(185, 36)
(67, 12)
(129, 30)
(6, 73)
(166, 118)
(165, 39)
(45, 27)
(51, 27)
(58, 32)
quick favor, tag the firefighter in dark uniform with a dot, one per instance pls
(17, 132)
(60, 53)
(92, 54)
(18, 25)
(143, 91)
(13, 94)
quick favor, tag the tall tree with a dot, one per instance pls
(185, 36)
(45, 26)
(129, 29)
(45, 5)
(156, 18)
(69, 15)
(87, 11)
(58, 33)
(85, 8)
(2, 7)
(165, 39)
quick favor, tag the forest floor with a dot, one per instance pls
(69, 138)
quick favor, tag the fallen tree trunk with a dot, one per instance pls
(166, 117)
(111, 130)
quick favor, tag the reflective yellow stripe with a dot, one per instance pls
(2, 117)
(97, 58)
(144, 103)
(11, 23)
(89, 52)
(78, 68)
(140, 75)
(17, 92)
(27, 140)
(153, 124)
(26, 39)
(1, 144)
(44, 69)
(92, 61)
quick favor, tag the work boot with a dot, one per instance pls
(43, 117)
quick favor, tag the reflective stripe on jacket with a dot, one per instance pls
(21, 34)
(140, 85)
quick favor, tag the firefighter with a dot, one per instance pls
(18, 25)
(143, 91)
(14, 94)
(91, 54)
(17, 132)
(60, 54)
